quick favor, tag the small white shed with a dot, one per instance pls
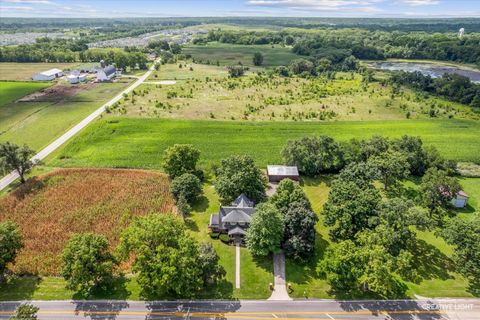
(76, 78)
(48, 75)
(460, 200)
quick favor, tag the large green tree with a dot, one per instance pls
(188, 186)
(165, 256)
(237, 175)
(349, 208)
(287, 193)
(412, 148)
(10, 244)
(437, 191)
(314, 155)
(299, 234)
(389, 166)
(180, 159)
(464, 234)
(87, 263)
(15, 158)
(265, 233)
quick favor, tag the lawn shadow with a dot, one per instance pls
(300, 272)
(191, 224)
(201, 204)
(104, 310)
(223, 289)
(34, 184)
(266, 263)
(400, 190)
(395, 309)
(116, 290)
(467, 209)
(317, 180)
(429, 262)
(19, 288)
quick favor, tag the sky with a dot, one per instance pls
(222, 8)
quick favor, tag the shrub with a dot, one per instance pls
(187, 186)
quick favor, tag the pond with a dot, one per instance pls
(431, 69)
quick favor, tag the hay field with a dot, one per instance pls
(51, 208)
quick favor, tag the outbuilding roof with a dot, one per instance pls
(462, 194)
(275, 170)
(109, 70)
(51, 72)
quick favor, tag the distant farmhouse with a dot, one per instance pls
(233, 220)
(277, 173)
(106, 74)
(48, 75)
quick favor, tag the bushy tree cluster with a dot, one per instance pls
(454, 87)
(10, 244)
(167, 259)
(237, 175)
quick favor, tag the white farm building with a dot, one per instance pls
(106, 74)
(76, 78)
(461, 199)
(48, 75)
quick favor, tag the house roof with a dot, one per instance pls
(214, 220)
(242, 202)
(51, 72)
(275, 170)
(237, 216)
(237, 230)
(109, 70)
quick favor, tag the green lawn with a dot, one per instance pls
(229, 54)
(39, 122)
(139, 143)
(435, 266)
(11, 91)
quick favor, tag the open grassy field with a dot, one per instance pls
(206, 92)
(51, 208)
(230, 54)
(139, 143)
(11, 91)
(40, 119)
(438, 276)
(25, 71)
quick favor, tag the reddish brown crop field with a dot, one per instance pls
(53, 207)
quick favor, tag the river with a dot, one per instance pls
(431, 69)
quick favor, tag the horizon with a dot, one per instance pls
(371, 9)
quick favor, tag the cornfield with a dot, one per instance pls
(51, 208)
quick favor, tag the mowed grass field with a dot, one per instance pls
(25, 71)
(10, 91)
(139, 143)
(40, 120)
(49, 209)
(229, 54)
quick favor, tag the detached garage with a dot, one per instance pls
(48, 75)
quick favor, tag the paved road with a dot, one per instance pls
(8, 179)
(448, 309)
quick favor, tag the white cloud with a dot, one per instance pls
(16, 8)
(307, 6)
(27, 1)
(420, 2)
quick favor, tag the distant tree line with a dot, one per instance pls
(453, 87)
(361, 43)
(63, 50)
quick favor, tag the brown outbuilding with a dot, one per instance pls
(278, 173)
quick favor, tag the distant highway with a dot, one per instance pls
(445, 309)
(12, 176)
